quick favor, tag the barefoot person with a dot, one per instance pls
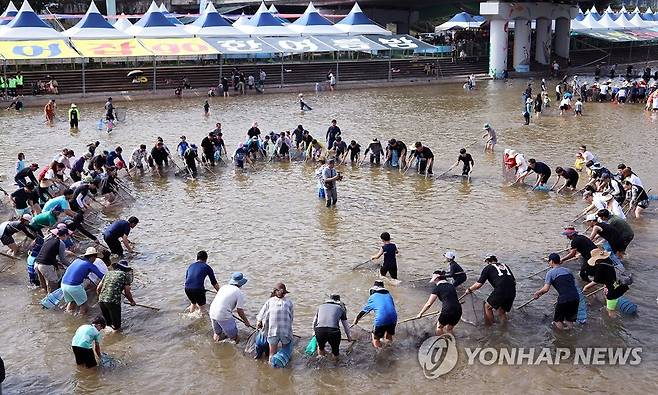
(86, 343)
(389, 251)
(275, 319)
(502, 280)
(490, 135)
(229, 298)
(566, 308)
(326, 327)
(386, 318)
(115, 282)
(74, 276)
(451, 309)
(117, 233)
(195, 278)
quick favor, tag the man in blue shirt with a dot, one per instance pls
(195, 278)
(61, 202)
(566, 308)
(381, 302)
(119, 229)
(78, 270)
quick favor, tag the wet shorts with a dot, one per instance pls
(567, 311)
(379, 331)
(225, 328)
(196, 296)
(74, 293)
(501, 301)
(274, 340)
(450, 318)
(328, 335)
(643, 203)
(84, 356)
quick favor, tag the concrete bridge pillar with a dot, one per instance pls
(522, 47)
(543, 41)
(562, 37)
(497, 47)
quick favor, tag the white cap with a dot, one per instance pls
(591, 217)
(450, 254)
(26, 217)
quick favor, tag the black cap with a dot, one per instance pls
(491, 258)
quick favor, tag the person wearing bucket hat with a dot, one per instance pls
(74, 276)
(503, 282)
(455, 271)
(48, 267)
(9, 228)
(229, 298)
(606, 274)
(568, 300)
(275, 318)
(114, 283)
(451, 309)
(580, 244)
(195, 278)
(490, 136)
(326, 325)
(386, 317)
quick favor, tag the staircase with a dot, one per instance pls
(206, 76)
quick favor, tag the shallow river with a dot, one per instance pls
(269, 224)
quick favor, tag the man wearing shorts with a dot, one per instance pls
(26, 200)
(502, 280)
(195, 278)
(326, 325)
(229, 298)
(119, 229)
(381, 302)
(451, 309)
(570, 176)
(86, 343)
(566, 308)
(74, 276)
(9, 228)
(48, 268)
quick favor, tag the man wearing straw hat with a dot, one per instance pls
(74, 276)
(604, 273)
(386, 318)
(451, 309)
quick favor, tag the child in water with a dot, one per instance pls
(388, 250)
(302, 104)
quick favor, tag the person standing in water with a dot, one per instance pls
(74, 116)
(195, 278)
(49, 112)
(302, 104)
(332, 133)
(86, 343)
(451, 309)
(386, 317)
(566, 308)
(455, 271)
(468, 163)
(206, 109)
(504, 293)
(389, 251)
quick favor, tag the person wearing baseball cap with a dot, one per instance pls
(326, 325)
(386, 317)
(275, 319)
(504, 284)
(48, 267)
(74, 276)
(580, 244)
(451, 309)
(9, 228)
(455, 271)
(566, 308)
(490, 135)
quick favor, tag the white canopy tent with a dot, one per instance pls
(312, 23)
(155, 24)
(10, 12)
(211, 24)
(356, 22)
(93, 25)
(122, 23)
(263, 23)
(27, 25)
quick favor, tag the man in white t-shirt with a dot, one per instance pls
(521, 164)
(587, 155)
(229, 298)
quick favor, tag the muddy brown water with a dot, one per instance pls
(268, 223)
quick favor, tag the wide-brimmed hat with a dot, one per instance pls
(237, 279)
(90, 251)
(597, 255)
(377, 286)
(281, 287)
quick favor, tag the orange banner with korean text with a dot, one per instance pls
(36, 49)
(178, 46)
(110, 48)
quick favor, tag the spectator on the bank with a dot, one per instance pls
(241, 83)
(224, 87)
(261, 78)
(251, 81)
(462, 55)
(186, 83)
(556, 69)
(178, 92)
(53, 86)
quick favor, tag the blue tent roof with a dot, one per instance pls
(479, 18)
(580, 17)
(356, 17)
(274, 11)
(169, 15)
(28, 19)
(95, 20)
(647, 16)
(154, 18)
(214, 19)
(312, 17)
(10, 12)
(263, 17)
(462, 17)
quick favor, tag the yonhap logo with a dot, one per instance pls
(438, 355)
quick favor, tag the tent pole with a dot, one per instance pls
(390, 75)
(337, 60)
(84, 87)
(281, 85)
(221, 62)
(155, 87)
